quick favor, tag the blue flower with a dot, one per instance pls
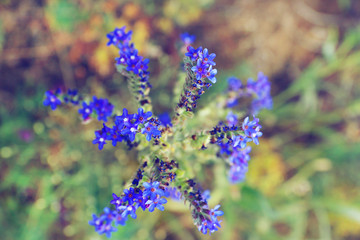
(102, 107)
(128, 56)
(156, 203)
(130, 195)
(210, 224)
(152, 190)
(115, 136)
(150, 130)
(107, 229)
(141, 203)
(117, 201)
(128, 210)
(142, 117)
(133, 62)
(187, 38)
(97, 222)
(118, 35)
(86, 110)
(210, 74)
(103, 223)
(207, 58)
(252, 129)
(119, 220)
(214, 213)
(101, 137)
(123, 120)
(240, 141)
(249, 127)
(207, 225)
(199, 69)
(193, 53)
(130, 131)
(224, 148)
(51, 100)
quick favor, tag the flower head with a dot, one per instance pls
(103, 224)
(101, 137)
(193, 53)
(156, 203)
(51, 100)
(151, 130)
(86, 110)
(102, 107)
(118, 35)
(141, 117)
(117, 201)
(128, 210)
(152, 190)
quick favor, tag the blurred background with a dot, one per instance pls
(303, 180)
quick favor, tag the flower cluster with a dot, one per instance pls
(259, 90)
(103, 223)
(233, 140)
(238, 164)
(199, 67)
(148, 195)
(100, 108)
(205, 219)
(55, 98)
(127, 126)
(129, 58)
